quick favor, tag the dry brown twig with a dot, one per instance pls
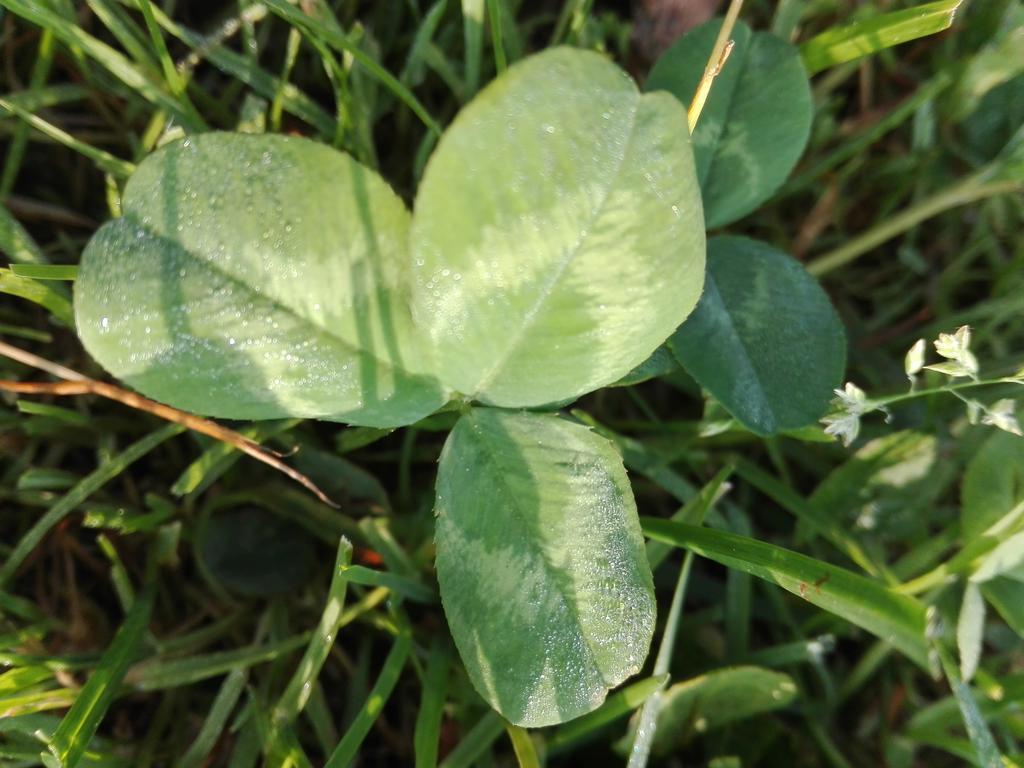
(74, 383)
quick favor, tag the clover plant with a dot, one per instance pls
(556, 245)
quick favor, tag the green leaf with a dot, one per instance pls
(862, 38)
(756, 121)
(256, 277)
(970, 630)
(1006, 556)
(764, 339)
(557, 237)
(1007, 597)
(716, 699)
(661, 362)
(978, 732)
(254, 552)
(893, 617)
(993, 483)
(541, 564)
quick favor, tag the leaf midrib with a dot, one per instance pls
(747, 360)
(530, 317)
(275, 301)
(479, 431)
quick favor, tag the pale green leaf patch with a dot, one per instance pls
(541, 563)
(558, 236)
(255, 277)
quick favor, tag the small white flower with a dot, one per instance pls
(1001, 415)
(914, 360)
(844, 426)
(852, 399)
(952, 345)
(956, 347)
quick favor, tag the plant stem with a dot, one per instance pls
(719, 53)
(644, 739)
(949, 388)
(970, 189)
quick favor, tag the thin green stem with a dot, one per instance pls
(104, 160)
(948, 388)
(40, 71)
(968, 190)
(648, 722)
(494, 15)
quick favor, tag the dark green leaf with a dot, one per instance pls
(993, 483)
(764, 339)
(254, 552)
(755, 123)
(718, 698)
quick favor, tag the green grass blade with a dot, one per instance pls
(76, 730)
(158, 674)
(295, 696)
(891, 616)
(412, 72)
(340, 42)
(220, 457)
(223, 704)
(862, 38)
(116, 63)
(125, 31)
(522, 745)
(479, 738)
(806, 512)
(47, 96)
(104, 160)
(691, 513)
(348, 747)
(48, 297)
(46, 271)
(16, 152)
(91, 483)
(36, 701)
(243, 69)
(15, 243)
(497, 39)
(977, 728)
(175, 82)
(427, 735)
(400, 585)
(473, 41)
(647, 725)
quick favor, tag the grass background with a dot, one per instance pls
(179, 584)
